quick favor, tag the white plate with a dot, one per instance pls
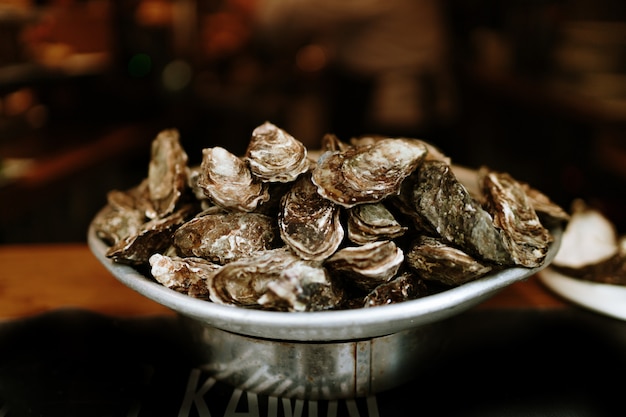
(603, 298)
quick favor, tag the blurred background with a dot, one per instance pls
(536, 88)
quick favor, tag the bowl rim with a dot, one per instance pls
(335, 325)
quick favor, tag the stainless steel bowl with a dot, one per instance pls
(316, 355)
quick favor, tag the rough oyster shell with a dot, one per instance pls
(302, 286)
(525, 238)
(367, 266)
(276, 279)
(367, 174)
(441, 201)
(309, 224)
(155, 236)
(228, 182)
(185, 275)
(435, 260)
(404, 287)
(225, 236)
(167, 173)
(371, 222)
(124, 215)
(274, 155)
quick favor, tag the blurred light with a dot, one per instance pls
(311, 58)
(37, 116)
(19, 102)
(139, 65)
(176, 75)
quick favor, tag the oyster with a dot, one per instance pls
(331, 142)
(308, 223)
(434, 153)
(274, 155)
(435, 260)
(302, 286)
(591, 248)
(124, 215)
(367, 266)
(588, 238)
(167, 175)
(225, 236)
(442, 202)
(371, 222)
(367, 174)
(228, 182)
(546, 209)
(526, 240)
(406, 286)
(155, 236)
(185, 275)
(277, 279)
(193, 175)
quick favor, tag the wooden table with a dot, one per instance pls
(38, 278)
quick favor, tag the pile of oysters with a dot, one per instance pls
(369, 222)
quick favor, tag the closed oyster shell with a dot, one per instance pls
(167, 175)
(367, 266)
(154, 236)
(228, 182)
(435, 260)
(440, 200)
(224, 237)
(302, 286)
(367, 174)
(524, 236)
(371, 222)
(185, 275)
(274, 155)
(309, 224)
(406, 286)
(124, 215)
(268, 277)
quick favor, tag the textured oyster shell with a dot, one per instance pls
(228, 182)
(367, 174)
(367, 266)
(302, 286)
(225, 236)
(185, 275)
(371, 222)
(167, 173)
(525, 238)
(309, 224)
(155, 236)
(276, 279)
(274, 155)
(404, 287)
(435, 260)
(124, 215)
(546, 209)
(441, 201)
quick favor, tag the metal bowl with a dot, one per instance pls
(316, 355)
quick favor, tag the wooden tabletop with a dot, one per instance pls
(37, 278)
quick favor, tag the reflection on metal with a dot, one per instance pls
(320, 370)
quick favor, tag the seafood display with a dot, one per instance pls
(356, 224)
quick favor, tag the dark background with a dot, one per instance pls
(535, 88)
